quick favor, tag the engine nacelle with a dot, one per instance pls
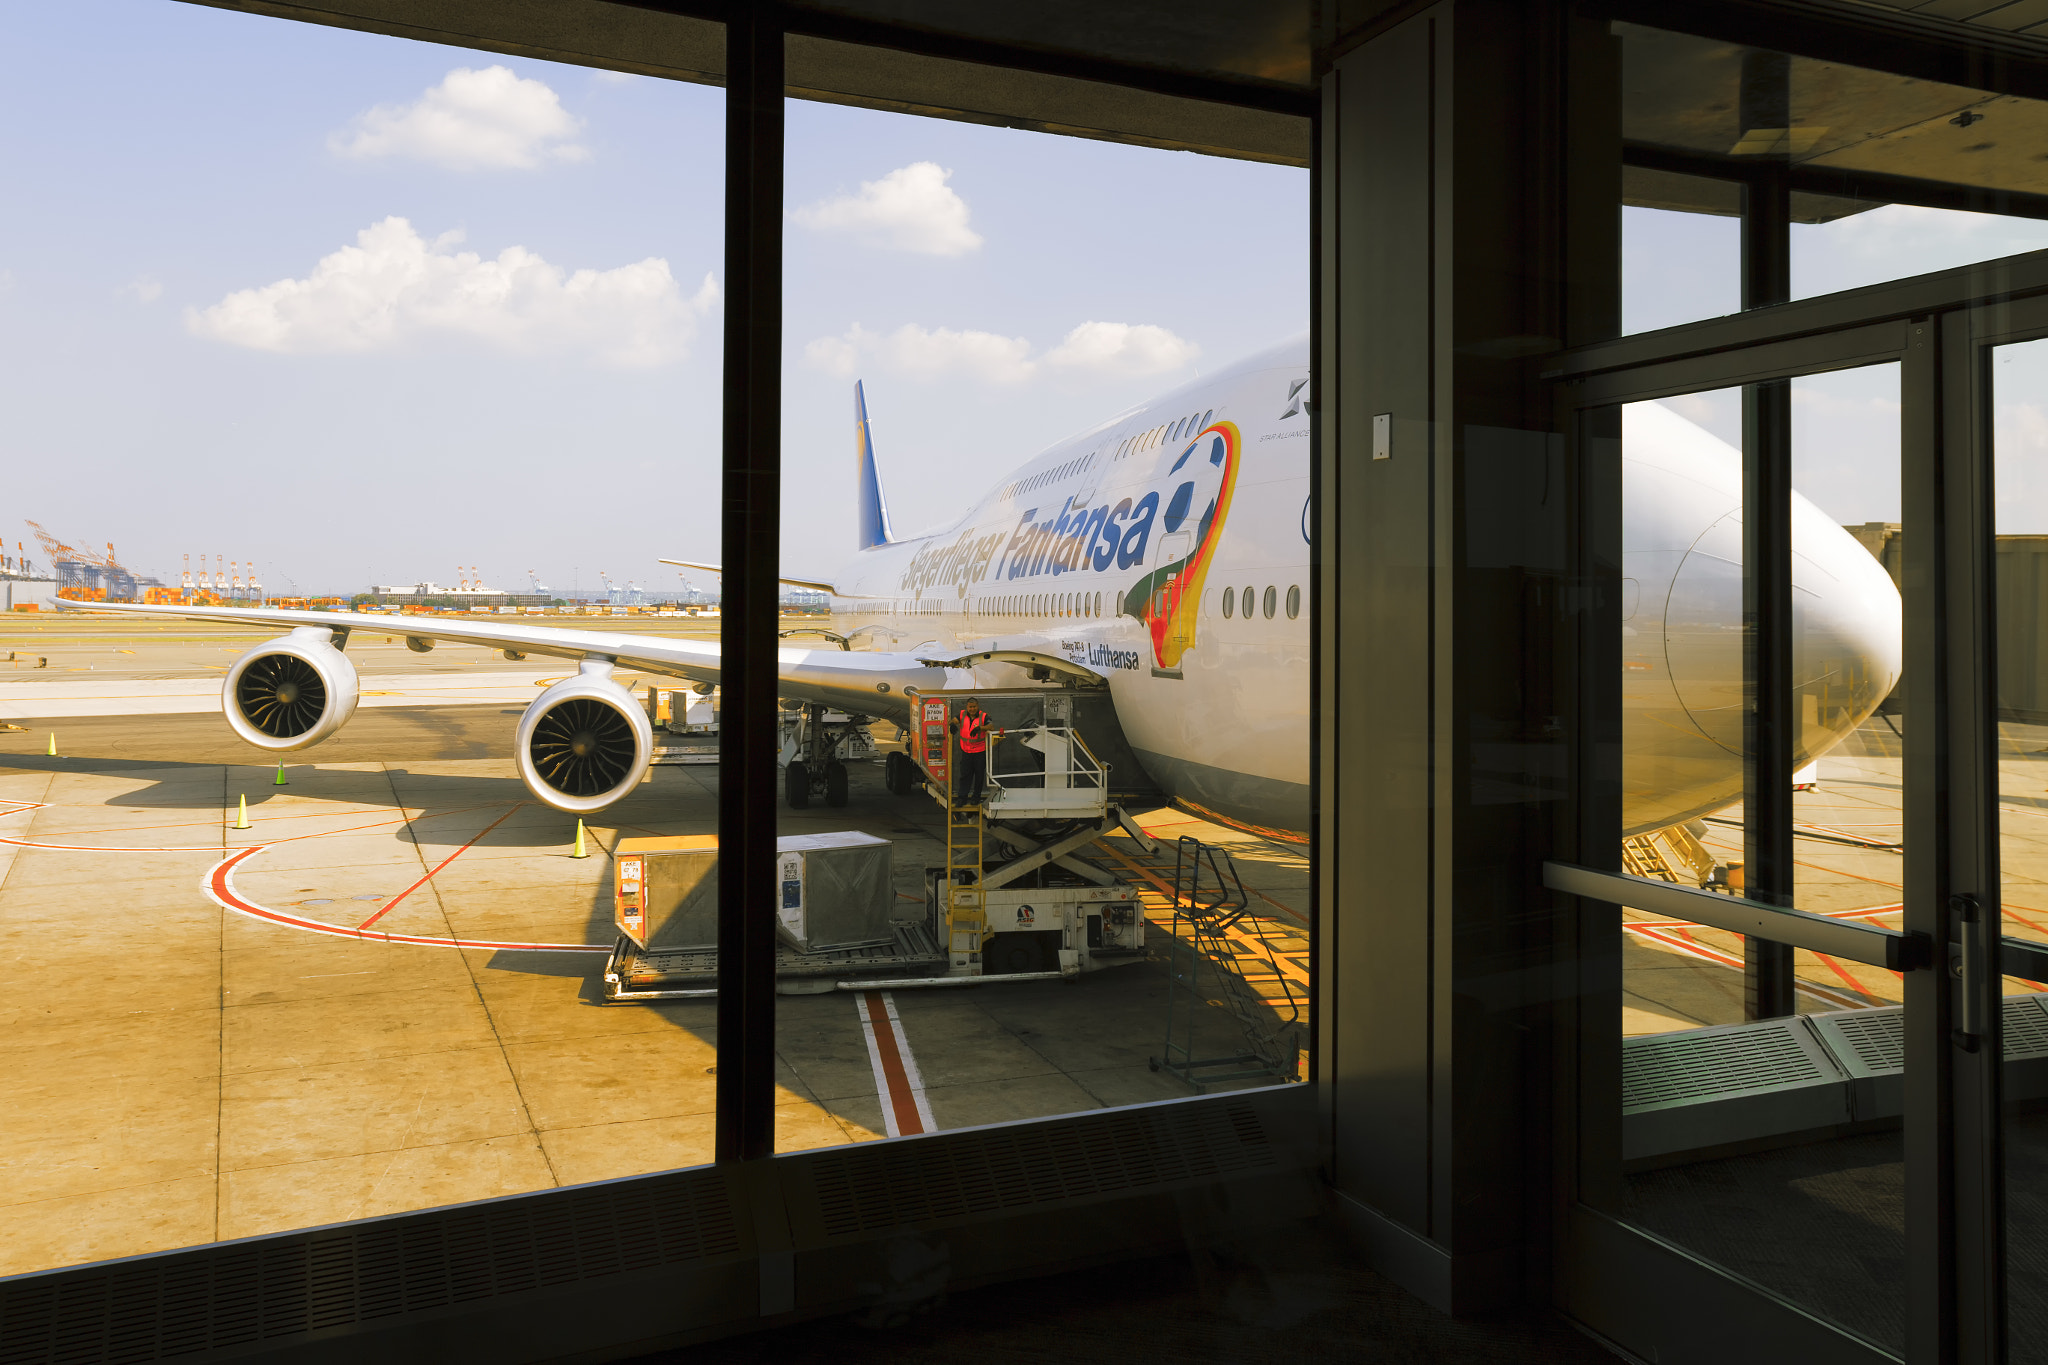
(585, 742)
(291, 692)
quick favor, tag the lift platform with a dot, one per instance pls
(1015, 898)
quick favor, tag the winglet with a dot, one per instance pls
(874, 510)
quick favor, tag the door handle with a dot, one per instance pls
(1970, 965)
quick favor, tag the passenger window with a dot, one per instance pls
(1294, 602)
(1229, 599)
(1249, 592)
(1272, 602)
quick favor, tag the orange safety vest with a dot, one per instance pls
(973, 732)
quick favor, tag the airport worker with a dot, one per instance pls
(971, 725)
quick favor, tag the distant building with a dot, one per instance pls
(428, 593)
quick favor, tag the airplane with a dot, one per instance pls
(1164, 554)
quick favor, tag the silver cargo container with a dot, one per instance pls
(835, 890)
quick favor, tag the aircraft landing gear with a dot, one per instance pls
(899, 774)
(816, 742)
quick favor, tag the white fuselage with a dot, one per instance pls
(1167, 549)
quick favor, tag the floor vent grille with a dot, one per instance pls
(1876, 1039)
(1678, 1067)
(891, 1185)
(161, 1308)
(2026, 1027)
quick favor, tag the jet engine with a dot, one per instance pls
(291, 692)
(585, 742)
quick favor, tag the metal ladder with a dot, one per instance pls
(1208, 904)
(966, 901)
(1640, 857)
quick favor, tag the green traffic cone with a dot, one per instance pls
(280, 775)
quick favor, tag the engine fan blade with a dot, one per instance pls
(583, 747)
(282, 695)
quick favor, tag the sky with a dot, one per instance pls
(358, 309)
(364, 310)
(1679, 267)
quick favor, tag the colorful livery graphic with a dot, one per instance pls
(1166, 599)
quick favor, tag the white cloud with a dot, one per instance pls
(1123, 348)
(615, 77)
(912, 350)
(1898, 240)
(394, 286)
(1118, 349)
(909, 209)
(489, 119)
(142, 289)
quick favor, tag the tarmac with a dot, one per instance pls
(384, 994)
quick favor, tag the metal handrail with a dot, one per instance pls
(1093, 768)
(1871, 944)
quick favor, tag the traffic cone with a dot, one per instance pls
(242, 816)
(580, 852)
(280, 775)
(53, 744)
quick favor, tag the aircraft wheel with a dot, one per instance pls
(897, 774)
(796, 788)
(835, 784)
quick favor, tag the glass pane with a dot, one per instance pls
(1015, 951)
(1678, 264)
(343, 317)
(2020, 436)
(1700, 117)
(1749, 1136)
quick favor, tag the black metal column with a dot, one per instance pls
(1772, 720)
(751, 551)
(1954, 1137)
(1459, 245)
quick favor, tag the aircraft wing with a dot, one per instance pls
(867, 682)
(815, 584)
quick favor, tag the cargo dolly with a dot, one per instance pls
(834, 914)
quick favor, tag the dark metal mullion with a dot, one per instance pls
(2007, 281)
(752, 494)
(1970, 770)
(1954, 1165)
(1770, 718)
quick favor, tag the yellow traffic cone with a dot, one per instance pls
(53, 744)
(580, 851)
(242, 816)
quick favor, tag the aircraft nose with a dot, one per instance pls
(1845, 630)
(1848, 646)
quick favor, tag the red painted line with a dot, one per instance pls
(219, 885)
(1851, 981)
(902, 1103)
(1827, 995)
(392, 904)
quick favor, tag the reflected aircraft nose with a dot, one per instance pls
(1845, 632)
(1683, 694)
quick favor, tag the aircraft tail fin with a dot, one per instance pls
(874, 509)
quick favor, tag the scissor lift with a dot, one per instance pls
(1014, 881)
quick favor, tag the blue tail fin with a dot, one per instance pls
(874, 509)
